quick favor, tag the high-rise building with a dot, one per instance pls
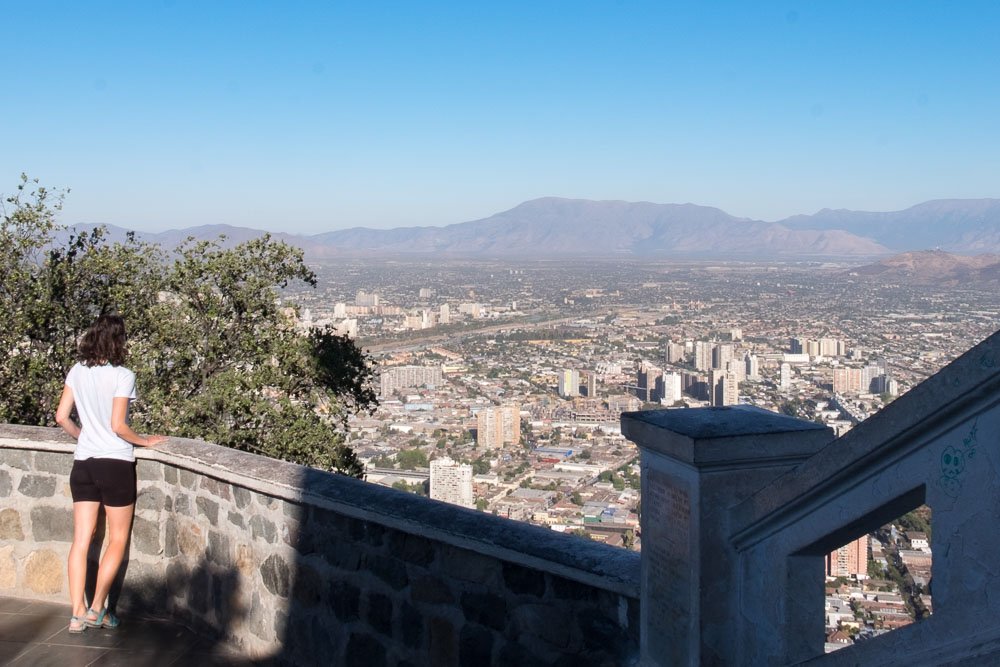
(590, 383)
(724, 388)
(722, 354)
(752, 366)
(646, 382)
(669, 388)
(785, 379)
(703, 355)
(569, 383)
(850, 560)
(444, 317)
(403, 377)
(451, 482)
(364, 298)
(497, 426)
(674, 353)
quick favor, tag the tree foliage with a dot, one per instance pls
(216, 353)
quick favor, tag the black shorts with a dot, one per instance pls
(107, 481)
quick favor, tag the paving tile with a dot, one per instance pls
(46, 655)
(31, 628)
(12, 604)
(95, 637)
(42, 608)
(154, 635)
(10, 650)
(139, 658)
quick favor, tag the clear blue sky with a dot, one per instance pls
(309, 117)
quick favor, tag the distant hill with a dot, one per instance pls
(554, 227)
(934, 267)
(955, 225)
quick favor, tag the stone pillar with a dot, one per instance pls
(696, 464)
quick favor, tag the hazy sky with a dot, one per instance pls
(308, 117)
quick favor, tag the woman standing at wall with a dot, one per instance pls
(103, 472)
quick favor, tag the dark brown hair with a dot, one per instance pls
(104, 342)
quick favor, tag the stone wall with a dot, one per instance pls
(308, 567)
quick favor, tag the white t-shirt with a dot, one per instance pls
(94, 390)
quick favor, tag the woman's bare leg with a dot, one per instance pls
(84, 523)
(119, 526)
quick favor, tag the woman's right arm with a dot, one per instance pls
(119, 424)
(64, 411)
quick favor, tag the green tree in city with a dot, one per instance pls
(411, 459)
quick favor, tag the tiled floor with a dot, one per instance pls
(36, 634)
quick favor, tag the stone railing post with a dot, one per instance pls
(696, 464)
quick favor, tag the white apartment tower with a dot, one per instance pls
(703, 355)
(451, 482)
(569, 383)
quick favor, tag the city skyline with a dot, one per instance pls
(318, 118)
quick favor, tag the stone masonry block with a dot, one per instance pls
(443, 642)
(523, 581)
(170, 475)
(8, 568)
(6, 484)
(431, 589)
(216, 488)
(275, 574)
(389, 570)
(475, 646)
(146, 536)
(191, 539)
(182, 504)
(379, 615)
(56, 463)
(265, 500)
(37, 486)
(10, 526)
(513, 653)
(150, 498)
(17, 458)
(149, 471)
(342, 555)
(262, 528)
(52, 524)
(486, 609)
(469, 566)
(170, 539)
(208, 508)
(241, 496)
(345, 600)
(535, 620)
(219, 550)
(43, 572)
(599, 631)
(237, 520)
(411, 625)
(364, 650)
(566, 589)
(294, 510)
(367, 532)
(187, 479)
(308, 586)
(412, 548)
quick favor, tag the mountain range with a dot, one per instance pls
(562, 228)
